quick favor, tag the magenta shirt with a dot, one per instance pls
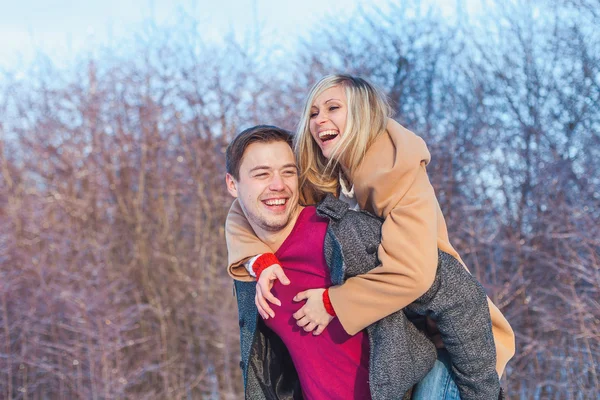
(333, 365)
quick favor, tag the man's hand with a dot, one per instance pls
(312, 316)
(263, 289)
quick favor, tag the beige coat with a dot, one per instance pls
(390, 182)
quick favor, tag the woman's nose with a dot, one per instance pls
(321, 118)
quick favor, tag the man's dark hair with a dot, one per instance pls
(256, 134)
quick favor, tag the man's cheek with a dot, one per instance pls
(253, 200)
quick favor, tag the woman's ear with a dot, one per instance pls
(231, 185)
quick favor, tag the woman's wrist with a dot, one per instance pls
(327, 303)
(263, 262)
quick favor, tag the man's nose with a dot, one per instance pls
(276, 183)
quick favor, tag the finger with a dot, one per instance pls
(260, 311)
(303, 321)
(269, 296)
(310, 327)
(302, 295)
(264, 286)
(299, 314)
(319, 330)
(282, 276)
(263, 305)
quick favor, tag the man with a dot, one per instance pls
(318, 247)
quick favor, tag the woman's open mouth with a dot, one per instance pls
(328, 135)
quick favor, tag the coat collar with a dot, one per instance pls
(395, 154)
(332, 208)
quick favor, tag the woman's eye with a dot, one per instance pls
(289, 173)
(313, 114)
(332, 108)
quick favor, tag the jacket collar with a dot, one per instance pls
(332, 208)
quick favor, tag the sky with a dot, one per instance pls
(62, 29)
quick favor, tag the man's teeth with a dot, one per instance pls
(275, 202)
(327, 134)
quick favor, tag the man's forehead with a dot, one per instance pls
(270, 154)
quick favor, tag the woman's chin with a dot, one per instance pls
(326, 153)
(327, 147)
(327, 150)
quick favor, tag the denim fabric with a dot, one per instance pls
(438, 384)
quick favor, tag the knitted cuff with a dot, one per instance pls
(262, 262)
(327, 303)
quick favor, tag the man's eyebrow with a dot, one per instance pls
(260, 167)
(290, 165)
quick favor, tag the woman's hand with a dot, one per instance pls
(263, 289)
(313, 316)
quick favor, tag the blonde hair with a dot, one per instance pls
(368, 111)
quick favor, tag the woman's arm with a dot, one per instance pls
(242, 247)
(392, 182)
(408, 254)
(242, 243)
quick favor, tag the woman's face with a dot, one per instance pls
(328, 116)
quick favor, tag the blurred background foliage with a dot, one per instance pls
(112, 195)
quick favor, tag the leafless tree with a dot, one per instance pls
(112, 202)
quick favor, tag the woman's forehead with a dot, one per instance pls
(336, 92)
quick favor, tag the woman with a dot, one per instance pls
(346, 145)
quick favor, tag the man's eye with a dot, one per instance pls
(289, 173)
(262, 175)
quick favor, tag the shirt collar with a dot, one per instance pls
(346, 187)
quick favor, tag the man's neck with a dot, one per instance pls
(275, 239)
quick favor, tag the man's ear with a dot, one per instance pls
(231, 185)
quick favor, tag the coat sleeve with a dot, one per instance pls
(392, 183)
(408, 254)
(242, 243)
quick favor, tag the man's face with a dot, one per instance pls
(267, 188)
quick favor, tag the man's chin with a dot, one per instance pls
(275, 225)
(273, 228)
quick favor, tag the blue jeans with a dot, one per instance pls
(438, 384)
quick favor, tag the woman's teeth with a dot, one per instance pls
(327, 135)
